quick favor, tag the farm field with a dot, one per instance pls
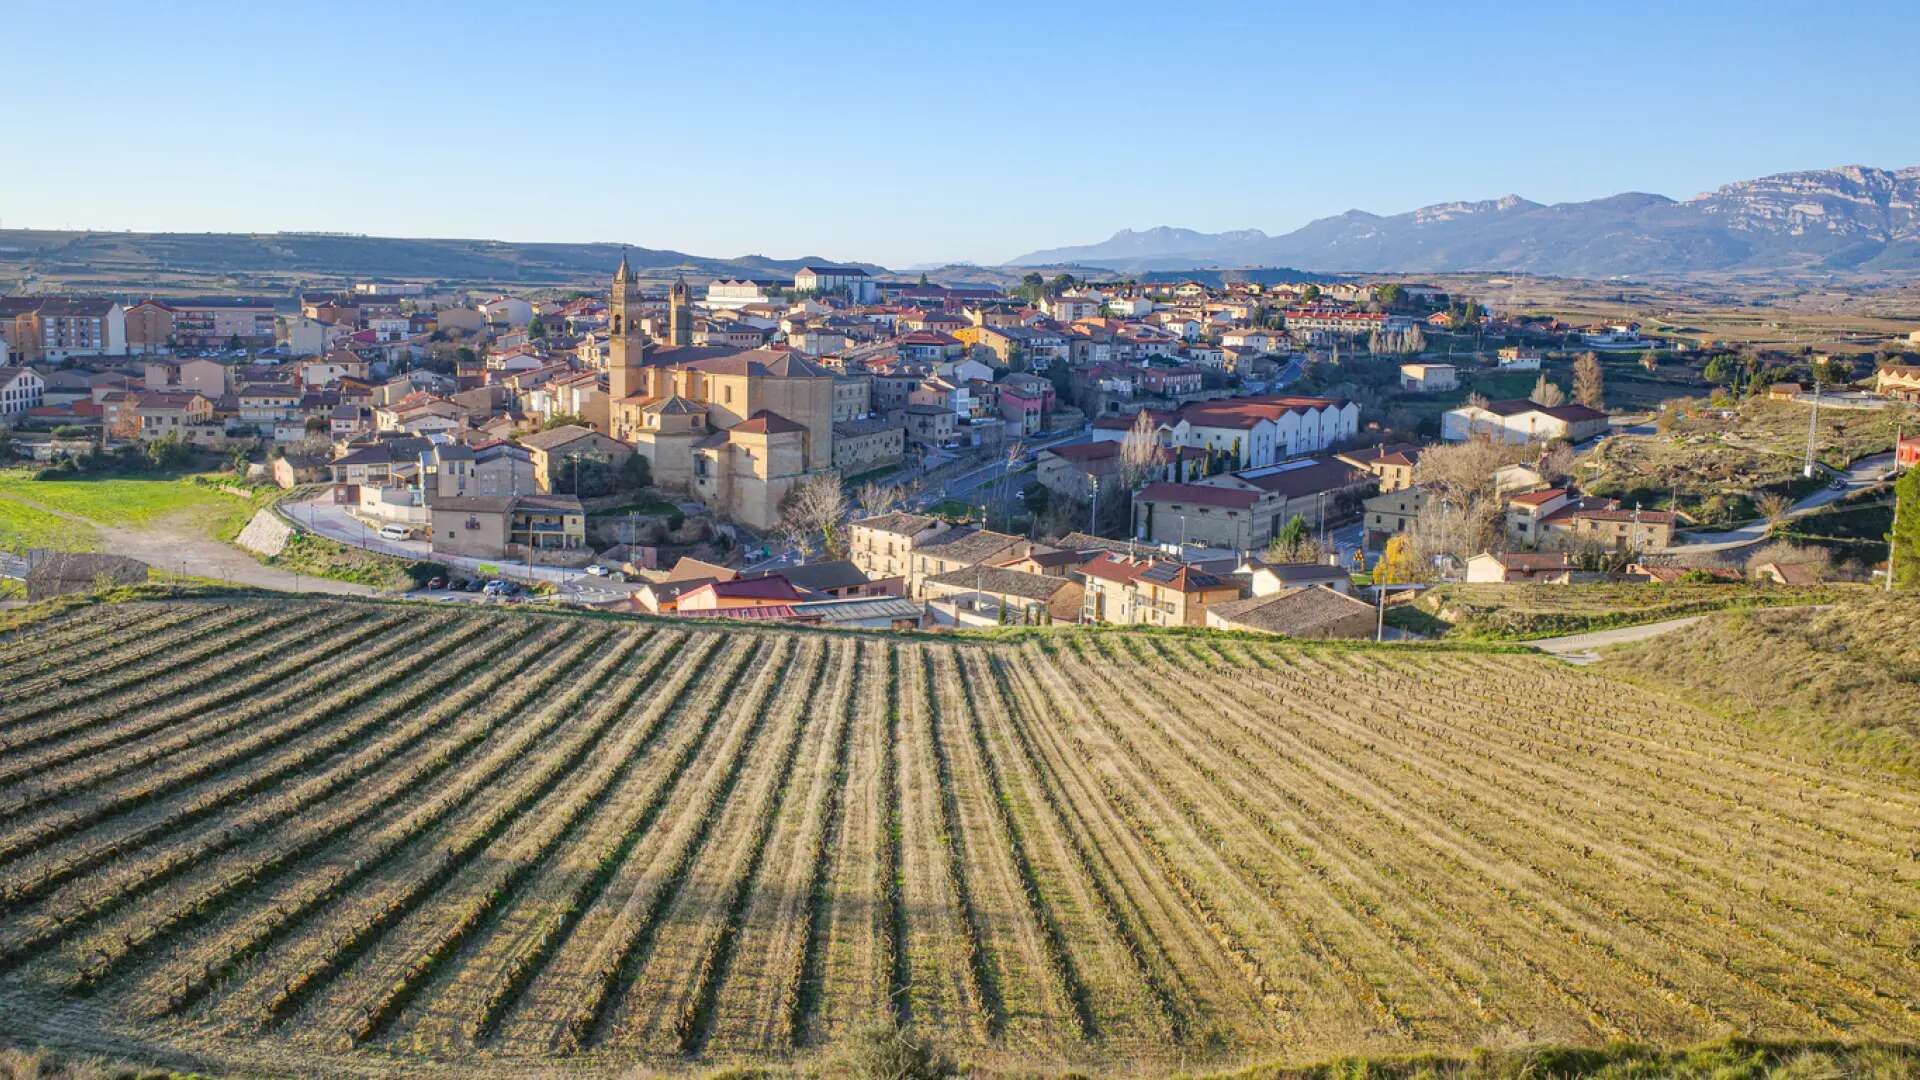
(353, 838)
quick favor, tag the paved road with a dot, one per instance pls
(1861, 474)
(1584, 648)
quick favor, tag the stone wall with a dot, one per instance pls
(267, 534)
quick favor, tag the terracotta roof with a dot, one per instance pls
(1001, 582)
(553, 438)
(766, 422)
(1539, 498)
(899, 523)
(1310, 611)
(772, 588)
(821, 576)
(1199, 495)
(969, 545)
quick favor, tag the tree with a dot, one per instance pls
(1547, 392)
(1415, 339)
(1650, 361)
(1719, 370)
(1589, 382)
(168, 452)
(1905, 538)
(923, 277)
(536, 328)
(1397, 564)
(817, 505)
(1310, 294)
(316, 425)
(1461, 514)
(1390, 295)
(1139, 451)
(1773, 508)
(585, 477)
(1291, 542)
(876, 498)
(1816, 561)
(561, 419)
(636, 473)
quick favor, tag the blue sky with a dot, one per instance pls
(904, 133)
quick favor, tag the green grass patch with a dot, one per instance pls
(23, 526)
(128, 502)
(951, 508)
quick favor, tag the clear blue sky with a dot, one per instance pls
(905, 132)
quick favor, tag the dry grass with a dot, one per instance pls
(368, 838)
(1518, 612)
(1849, 674)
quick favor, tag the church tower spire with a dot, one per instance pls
(626, 345)
(679, 313)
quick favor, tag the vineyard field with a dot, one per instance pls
(357, 838)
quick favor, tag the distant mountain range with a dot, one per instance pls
(140, 257)
(1854, 218)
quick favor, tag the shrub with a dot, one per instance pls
(881, 1052)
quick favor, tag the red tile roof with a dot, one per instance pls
(1200, 495)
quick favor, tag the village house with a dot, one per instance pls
(534, 528)
(882, 546)
(184, 413)
(21, 389)
(959, 548)
(984, 595)
(1389, 514)
(1421, 378)
(1522, 421)
(552, 449)
(1149, 591)
(1313, 611)
(864, 445)
(1393, 465)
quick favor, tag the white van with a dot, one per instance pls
(395, 532)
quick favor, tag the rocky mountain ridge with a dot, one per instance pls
(1852, 218)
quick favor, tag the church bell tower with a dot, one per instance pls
(626, 346)
(679, 314)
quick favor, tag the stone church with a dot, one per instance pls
(735, 427)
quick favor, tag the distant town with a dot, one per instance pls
(841, 448)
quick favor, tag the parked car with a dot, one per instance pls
(597, 570)
(436, 584)
(495, 587)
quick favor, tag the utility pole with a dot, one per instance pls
(1093, 510)
(1813, 422)
(1893, 534)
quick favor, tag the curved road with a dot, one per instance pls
(1861, 474)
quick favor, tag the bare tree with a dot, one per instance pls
(1650, 360)
(1556, 465)
(1461, 515)
(876, 498)
(1548, 393)
(1817, 561)
(1139, 451)
(816, 506)
(1773, 507)
(1589, 382)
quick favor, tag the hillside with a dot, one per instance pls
(1847, 674)
(138, 258)
(1854, 218)
(364, 838)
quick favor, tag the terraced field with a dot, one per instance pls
(360, 838)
